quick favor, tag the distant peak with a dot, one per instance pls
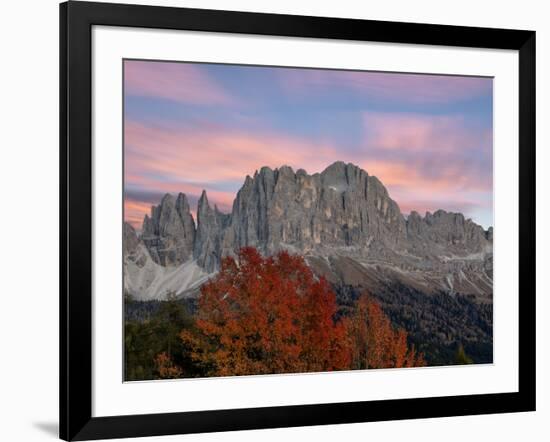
(336, 166)
(340, 167)
(286, 169)
(440, 213)
(203, 204)
(166, 198)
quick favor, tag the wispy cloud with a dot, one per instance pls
(422, 133)
(181, 82)
(210, 154)
(430, 169)
(430, 162)
(190, 159)
(412, 88)
(437, 151)
(134, 211)
(427, 143)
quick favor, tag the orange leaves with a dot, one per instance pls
(374, 342)
(263, 315)
(268, 315)
(166, 368)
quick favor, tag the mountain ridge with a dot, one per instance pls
(337, 214)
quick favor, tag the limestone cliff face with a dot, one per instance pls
(211, 224)
(442, 232)
(341, 207)
(342, 212)
(130, 240)
(169, 233)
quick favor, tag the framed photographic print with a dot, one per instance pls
(272, 220)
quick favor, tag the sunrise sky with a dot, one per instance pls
(189, 127)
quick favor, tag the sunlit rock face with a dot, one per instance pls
(169, 233)
(211, 224)
(432, 274)
(342, 220)
(341, 207)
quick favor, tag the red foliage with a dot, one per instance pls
(267, 315)
(374, 343)
(165, 368)
(271, 315)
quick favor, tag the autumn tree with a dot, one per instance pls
(165, 367)
(374, 343)
(267, 315)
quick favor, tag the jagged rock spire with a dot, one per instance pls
(169, 233)
(275, 209)
(210, 227)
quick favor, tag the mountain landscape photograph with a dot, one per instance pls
(290, 220)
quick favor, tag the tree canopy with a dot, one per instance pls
(272, 315)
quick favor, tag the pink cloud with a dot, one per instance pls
(401, 150)
(181, 82)
(414, 88)
(451, 189)
(425, 151)
(404, 179)
(211, 154)
(134, 211)
(189, 160)
(422, 133)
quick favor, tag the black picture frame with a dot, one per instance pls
(76, 21)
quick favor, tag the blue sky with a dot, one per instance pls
(190, 127)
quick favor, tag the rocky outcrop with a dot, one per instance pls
(342, 219)
(130, 240)
(443, 233)
(341, 207)
(169, 233)
(211, 224)
(134, 251)
(432, 274)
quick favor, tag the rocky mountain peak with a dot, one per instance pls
(446, 233)
(285, 172)
(210, 226)
(182, 205)
(341, 211)
(169, 233)
(343, 206)
(130, 239)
